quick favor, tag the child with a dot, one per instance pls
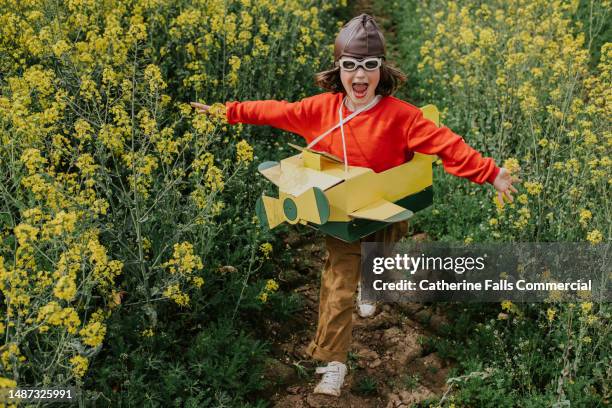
(382, 133)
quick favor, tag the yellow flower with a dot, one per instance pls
(7, 383)
(93, 334)
(89, 89)
(184, 261)
(263, 297)
(173, 292)
(550, 314)
(591, 319)
(152, 75)
(457, 80)
(533, 188)
(218, 111)
(586, 307)
(197, 281)
(271, 285)
(486, 37)
(594, 237)
(214, 178)
(585, 215)
(512, 165)
(109, 76)
(499, 207)
(244, 152)
(33, 215)
(62, 223)
(263, 49)
(147, 332)
(146, 244)
(25, 233)
(507, 305)
(204, 160)
(11, 355)
(263, 28)
(493, 221)
(572, 165)
(79, 365)
(266, 249)
(99, 315)
(60, 47)
(467, 35)
(70, 320)
(33, 161)
(65, 288)
(527, 97)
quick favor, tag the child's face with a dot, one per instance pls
(360, 85)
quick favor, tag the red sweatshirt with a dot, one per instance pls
(380, 138)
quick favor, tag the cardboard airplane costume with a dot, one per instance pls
(347, 202)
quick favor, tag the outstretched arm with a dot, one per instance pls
(458, 158)
(293, 117)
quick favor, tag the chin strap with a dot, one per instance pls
(341, 123)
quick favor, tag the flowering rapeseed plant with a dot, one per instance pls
(106, 174)
(520, 83)
(522, 79)
(271, 287)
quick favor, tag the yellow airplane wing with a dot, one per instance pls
(270, 170)
(296, 179)
(382, 210)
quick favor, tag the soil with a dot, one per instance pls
(390, 363)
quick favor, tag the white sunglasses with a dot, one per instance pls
(351, 64)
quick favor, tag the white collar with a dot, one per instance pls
(370, 105)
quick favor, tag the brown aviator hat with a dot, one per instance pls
(360, 38)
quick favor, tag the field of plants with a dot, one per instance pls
(529, 83)
(132, 266)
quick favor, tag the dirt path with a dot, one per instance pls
(389, 362)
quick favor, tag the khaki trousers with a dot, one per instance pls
(339, 282)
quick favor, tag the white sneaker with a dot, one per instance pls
(364, 309)
(333, 378)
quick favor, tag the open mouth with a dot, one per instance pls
(360, 89)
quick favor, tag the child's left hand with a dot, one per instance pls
(503, 185)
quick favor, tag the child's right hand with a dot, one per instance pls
(200, 107)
